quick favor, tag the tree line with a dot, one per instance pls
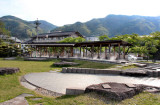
(8, 47)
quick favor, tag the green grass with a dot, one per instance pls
(89, 64)
(128, 67)
(10, 86)
(144, 98)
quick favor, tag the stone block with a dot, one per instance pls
(98, 71)
(150, 73)
(78, 70)
(158, 73)
(64, 70)
(92, 71)
(87, 71)
(74, 91)
(74, 70)
(116, 72)
(155, 74)
(83, 70)
(69, 69)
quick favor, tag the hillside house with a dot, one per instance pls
(55, 36)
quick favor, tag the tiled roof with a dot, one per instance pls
(67, 33)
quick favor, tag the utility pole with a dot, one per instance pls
(37, 23)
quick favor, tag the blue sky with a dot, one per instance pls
(61, 12)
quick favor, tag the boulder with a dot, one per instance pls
(8, 70)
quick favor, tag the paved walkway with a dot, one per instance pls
(19, 100)
(58, 82)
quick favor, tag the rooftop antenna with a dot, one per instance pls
(37, 23)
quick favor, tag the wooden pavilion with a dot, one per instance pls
(42, 48)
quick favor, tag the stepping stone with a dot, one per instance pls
(19, 100)
(130, 85)
(106, 86)
(25, 95)
(34, 99)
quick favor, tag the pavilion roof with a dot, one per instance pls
(82, 44)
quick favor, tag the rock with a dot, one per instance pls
(8, 70)
(120, 91)
(64, 63)
(140, 64)
(134, 73)
(74, 91)
(115, 91)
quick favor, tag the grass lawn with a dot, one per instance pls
(10, 86)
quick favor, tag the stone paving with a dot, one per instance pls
(58, 82)
(19, 100)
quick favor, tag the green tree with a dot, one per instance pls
(3, 31)
(72, 40)
(103, 37)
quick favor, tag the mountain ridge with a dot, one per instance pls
(23, 29)
(115, 25)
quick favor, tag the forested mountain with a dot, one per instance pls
(115, 25)
(24, 29)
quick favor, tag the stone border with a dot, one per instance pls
(69, 59)
(41, 90)
(109, 71)
(74, 91)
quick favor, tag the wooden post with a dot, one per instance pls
(98, 53)
(40, 51)
(92, 51)
(109, 51)
(86, 50)
(80, 51)
(114, 51)
(53, 51)
(71, 49)
(100, 50)
(119, 50)
(123, 52)
(83, 51)
(31, 52)
(62, 52)
(36, 51)
(105, 52)
(49, 53)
